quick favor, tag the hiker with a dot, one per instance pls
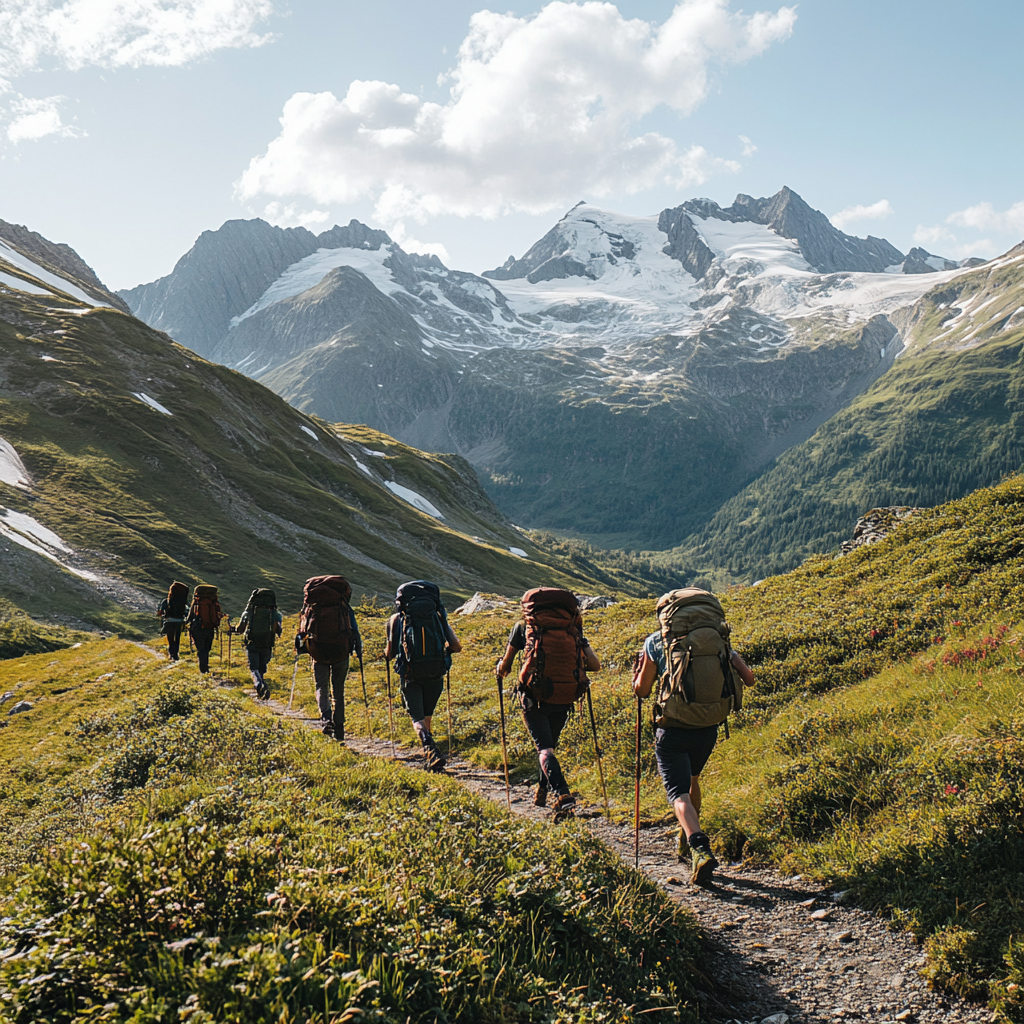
(329, 634)
(422, 644)
(203, 622)
(172, 616)
(260, 626)
(692, 700)
(556, 660)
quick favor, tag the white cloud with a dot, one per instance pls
(852, 214)
(541, 111)
(749, 149)
(934, 235)
(409, 244)
(985, 217)
(123, 33)
(289, 216)
(35, 119)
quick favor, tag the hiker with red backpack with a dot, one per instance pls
(260, 626)
(172, 616)
(422, 644)
(329, 634)
(700, 681)
(203, 622)
(556, 660)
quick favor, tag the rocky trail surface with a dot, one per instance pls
(784, 950)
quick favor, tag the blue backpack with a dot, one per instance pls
(422, 631)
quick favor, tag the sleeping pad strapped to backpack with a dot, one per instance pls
(260, 626)
(699, 687)
(423, 639)
(326, 618)
(205, 613)
(553, 669)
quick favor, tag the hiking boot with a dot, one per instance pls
(435, 762)
(682, 847)
(565, 807)
(704, 865)
(540, 797)
(328, 730)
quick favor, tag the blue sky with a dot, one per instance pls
(127, 138)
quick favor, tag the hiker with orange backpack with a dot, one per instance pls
(203, 621)
(422, 644)
(172, 616)
(329, 634)
(556, 659)
(700, 681)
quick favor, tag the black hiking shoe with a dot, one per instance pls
(435, 762)
(328, 730)
(540, 797)
(564, 807)
(703, 866)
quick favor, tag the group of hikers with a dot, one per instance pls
(688, 665)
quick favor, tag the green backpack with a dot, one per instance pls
(699, 687)
(261, 623)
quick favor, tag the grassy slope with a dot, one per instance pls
(229, 489)
(169, 850)
(879, 749)
(942, 422)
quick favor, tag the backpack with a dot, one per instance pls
(205, 613)
(699, 687)
(422, 631)
(326, 618)
(553, 669)
(177, 600)
(261, 624)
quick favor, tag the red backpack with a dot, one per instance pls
(205, 612)
(326, 618)
(553, 669)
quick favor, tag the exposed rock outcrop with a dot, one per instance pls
(876, 525)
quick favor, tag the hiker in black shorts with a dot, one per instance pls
(545, 718)
(172, 611)
(422, 643)
(682, 753)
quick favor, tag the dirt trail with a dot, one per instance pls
(786, 951)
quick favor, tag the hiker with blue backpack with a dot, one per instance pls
(260, 626)
(700, 680)
(422, 644)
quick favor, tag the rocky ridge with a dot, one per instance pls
(876, 525)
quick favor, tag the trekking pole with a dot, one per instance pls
(391, 718)
(597, 751)
(450, 744)
(366, 702)
(504, 749)
(295, 672)
(230, 634)
(636, 797)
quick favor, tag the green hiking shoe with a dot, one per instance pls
(704, 865)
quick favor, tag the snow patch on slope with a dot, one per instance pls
(151, 402)
(302, 426)
(33, 536)
(12, 469)
(15, 259)
(22, 286)
(414, 499)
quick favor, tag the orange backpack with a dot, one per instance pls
(553, 669)
(205, 607)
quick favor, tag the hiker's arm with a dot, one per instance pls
(590, 658)
(503, 666)
(742, 667)
(279, 624)
(643, 679)
(390, 649)
(357, 644)
(453, 641)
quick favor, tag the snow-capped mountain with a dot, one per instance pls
(634, 335)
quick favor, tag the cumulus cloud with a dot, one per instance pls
(1008, 223)
(852, 214)
(749, 149)
(934, 235)
(73, 34)
(288, 215)
(35, 119)
(985, 217)
(541, 110)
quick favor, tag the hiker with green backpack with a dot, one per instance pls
(260, 626)
(700, 680)
(422, 644)
(556, 660)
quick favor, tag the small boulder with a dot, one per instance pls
(594, 601)
(6, 697)
(482, 603)
(22, 705)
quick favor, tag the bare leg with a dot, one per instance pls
(686, 813)
(695, 793)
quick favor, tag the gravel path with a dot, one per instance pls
(786, 951)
